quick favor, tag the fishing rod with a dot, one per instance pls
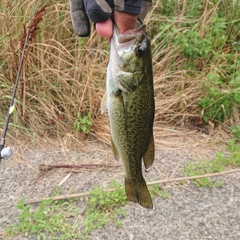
(7, 152)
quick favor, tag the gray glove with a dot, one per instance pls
(84, 11)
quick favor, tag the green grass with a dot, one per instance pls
(50, 221)
(57, 219)
(219, 164)
(103, 206)
(156, 191)
(236, 131)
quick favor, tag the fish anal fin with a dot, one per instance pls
(148, 157)
(104, 103)
(115, 151)
(138, 192)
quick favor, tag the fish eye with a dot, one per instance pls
(140, 50)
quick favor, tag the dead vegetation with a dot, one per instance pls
(63, 75)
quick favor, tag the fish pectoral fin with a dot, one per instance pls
(115, 151)
(138, 192)
(104, 103)
(148, 157)
(117, 102)
(128, 82)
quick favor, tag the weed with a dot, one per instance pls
(103, 206)
(10, 231)
(236, 131)
(193, 43)
(218, 164)
(51, 219)
(157, 191)
(222, 96)
(234, 159)
(83, 123)
(202, 40)
(48, 222)
(182, 182)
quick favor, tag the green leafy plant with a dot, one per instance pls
(156, 190)
(83, 123)
(50, 221)
(10, 231)
(236, 131)
(222, 96)
(205, 44)
(193, 45)
(103, 206)
(218, 164)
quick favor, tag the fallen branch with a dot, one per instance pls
(193, 177)
(85, 194)
(48, 167)
(43, 168)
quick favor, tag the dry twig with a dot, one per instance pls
(48, 167)
(65, 179)
(85, 194)
(43, 168)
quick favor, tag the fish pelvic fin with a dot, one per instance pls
(115, 151)
(148, 157)
(104, 103)
(138, 192)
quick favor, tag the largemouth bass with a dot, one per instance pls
(129, 99)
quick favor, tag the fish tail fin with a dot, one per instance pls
(138, 192)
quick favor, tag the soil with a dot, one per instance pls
(189, 213)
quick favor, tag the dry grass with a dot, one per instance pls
(63, 74)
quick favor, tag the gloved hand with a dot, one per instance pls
(84, 11)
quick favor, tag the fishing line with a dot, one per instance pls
(7, 152)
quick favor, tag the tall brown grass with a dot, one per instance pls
(63, 74)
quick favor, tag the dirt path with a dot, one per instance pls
(189, 213)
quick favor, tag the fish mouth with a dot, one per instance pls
(123, 48)
(123, 44)
(130, 35)
(127, 38)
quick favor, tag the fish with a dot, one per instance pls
(129, 100)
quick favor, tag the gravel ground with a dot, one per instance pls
(189, 213)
